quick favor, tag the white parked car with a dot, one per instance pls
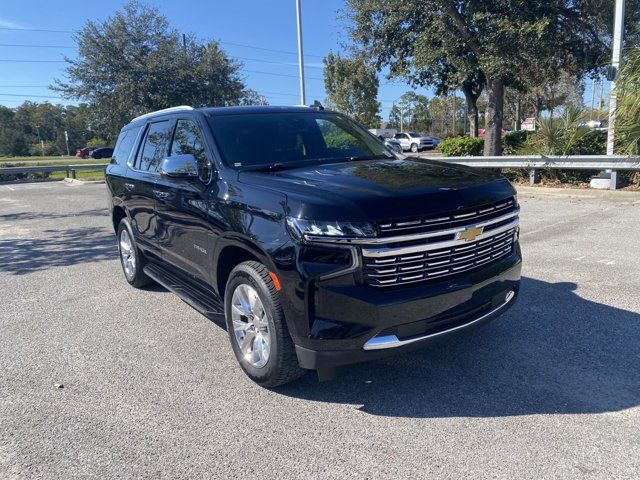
(414, 141)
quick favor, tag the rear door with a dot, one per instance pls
(185, 232)
(142, 177)
(116, 172)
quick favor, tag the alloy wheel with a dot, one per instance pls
(250, 325)
(127, 254)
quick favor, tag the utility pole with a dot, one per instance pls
(593, 97)
(453, 128)
(40, 139)
(66, 140)
(303, 99)
(618, 32)
(600, 98)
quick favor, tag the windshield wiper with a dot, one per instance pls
(370, 157)
(274, 167)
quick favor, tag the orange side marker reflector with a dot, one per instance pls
(276, 282)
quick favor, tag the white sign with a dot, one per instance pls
(528, 124)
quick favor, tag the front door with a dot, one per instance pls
(185, 233)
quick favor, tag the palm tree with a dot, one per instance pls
(628, 105)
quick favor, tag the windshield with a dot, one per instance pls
(414, 134)
(289, 139)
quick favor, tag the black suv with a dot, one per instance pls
(318, 245)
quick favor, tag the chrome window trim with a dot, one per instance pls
(391, 341)
(395, 251)
(411, 237)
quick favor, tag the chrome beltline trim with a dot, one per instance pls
(391, 341)
(410, 237)
(396, 251)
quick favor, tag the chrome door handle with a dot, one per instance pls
(129, 186)
(161, 194)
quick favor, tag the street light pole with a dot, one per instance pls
(618, 32)
(303, 99)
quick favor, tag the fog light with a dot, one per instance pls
(509, 296)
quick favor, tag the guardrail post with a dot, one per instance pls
(533, 176)
(614, 180)
(73, 173)
(66, 174)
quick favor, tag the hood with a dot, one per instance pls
(381, 189)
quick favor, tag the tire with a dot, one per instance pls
(269, 356)
(131, 256)
(414, 148)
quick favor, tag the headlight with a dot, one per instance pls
(310, 229)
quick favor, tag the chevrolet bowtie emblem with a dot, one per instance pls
(469, 234)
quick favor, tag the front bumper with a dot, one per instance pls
(355, 323)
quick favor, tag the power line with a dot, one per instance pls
(34, 46)
(279, 74)
(36, 30)
(31, 61)
(30, 96)
(244, 45)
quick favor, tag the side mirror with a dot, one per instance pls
(394, 146)
(180, 166)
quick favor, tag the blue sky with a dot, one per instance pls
(264, 24)
(258, 23)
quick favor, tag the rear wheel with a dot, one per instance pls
(131, 259)
(257, 329)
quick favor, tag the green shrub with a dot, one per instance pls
(514, 142)
(461, 146)
(591, 143)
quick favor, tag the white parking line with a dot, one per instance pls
(10, 188)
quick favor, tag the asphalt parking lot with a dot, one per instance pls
(151, 388)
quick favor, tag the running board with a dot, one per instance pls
(206, 301)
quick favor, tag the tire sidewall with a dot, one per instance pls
(245, 274)
(414, 148)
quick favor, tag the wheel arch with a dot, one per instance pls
(232, 252)
(117, 215)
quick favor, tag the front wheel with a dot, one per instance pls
(414, 147)
(257, 329)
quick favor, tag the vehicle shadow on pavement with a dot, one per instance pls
(552, 353)
(55, 248)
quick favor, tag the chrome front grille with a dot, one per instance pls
(433, 264)
(422, 254)
(447, 220)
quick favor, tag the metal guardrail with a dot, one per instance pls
(69, 169)
(537, 162)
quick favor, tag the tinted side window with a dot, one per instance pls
(124, 145)
(156, 145)
(188, 139)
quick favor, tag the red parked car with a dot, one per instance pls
(83, 152)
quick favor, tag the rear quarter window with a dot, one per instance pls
(124, 145)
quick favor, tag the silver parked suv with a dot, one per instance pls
(414, 141)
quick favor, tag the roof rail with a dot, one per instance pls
(181, 108)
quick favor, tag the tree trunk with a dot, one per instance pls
(471, 100)
(493, 118)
